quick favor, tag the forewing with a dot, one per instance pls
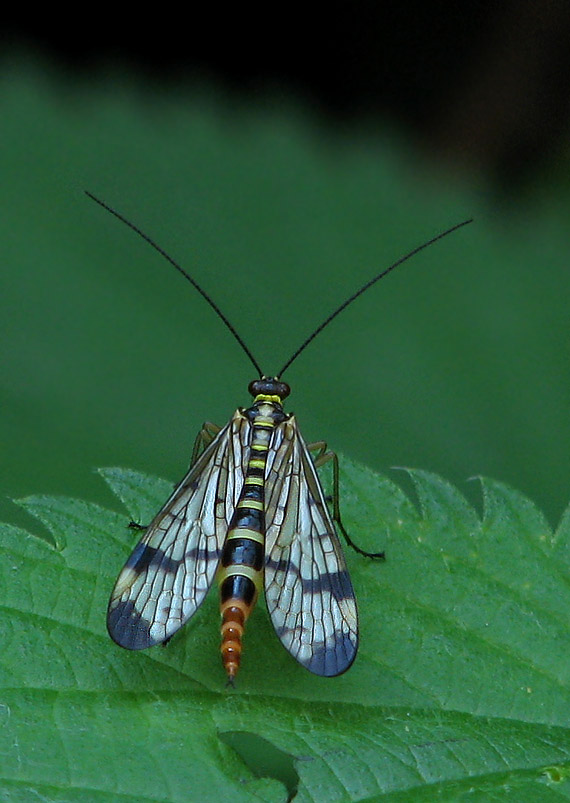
(170, 570)
(307, 587)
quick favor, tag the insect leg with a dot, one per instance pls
(203, 439)
(322, 457)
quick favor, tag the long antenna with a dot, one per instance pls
(365, 287)
(181, 270)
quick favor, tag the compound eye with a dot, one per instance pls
(254, 387)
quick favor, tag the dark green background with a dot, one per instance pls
(457, 363)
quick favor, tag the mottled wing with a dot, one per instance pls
(172, 567)
(307, 587)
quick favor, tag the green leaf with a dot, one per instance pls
(461, 689)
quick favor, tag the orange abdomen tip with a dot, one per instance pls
(233, 621)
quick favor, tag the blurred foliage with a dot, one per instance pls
(457, 363)
(485, 83)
